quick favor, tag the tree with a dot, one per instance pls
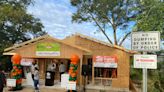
(151, 16)
(105, 14)
(16, 24)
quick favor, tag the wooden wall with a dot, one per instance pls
(123, 70)
(66, 51)
(28, 51)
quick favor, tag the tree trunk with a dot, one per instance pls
(114, 34)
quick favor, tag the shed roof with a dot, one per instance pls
(102, 42)
(42, 38)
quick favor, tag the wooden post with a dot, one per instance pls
(81, 63)
(93, 78)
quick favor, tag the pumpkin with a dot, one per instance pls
(16, 58)
(15, 67)
(73, 74)
(70, 71)
(71, 68)
(74, 63)
(74, 58)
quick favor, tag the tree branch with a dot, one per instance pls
(114, 30)
(124, 38)
(101, 29)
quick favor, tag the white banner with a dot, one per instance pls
(146, 41)
(48, 53)
(145, 61)
(26, 61)
(105, 61)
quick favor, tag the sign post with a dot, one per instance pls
(144, 77)
(145, 41)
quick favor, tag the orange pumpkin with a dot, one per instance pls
(13, 74)
(16, 59)
(74, 58)
(74, 63)
(18, 81)
(73, 74)
(16, 70)
(70, 71)
(71, 68)
(15, 67)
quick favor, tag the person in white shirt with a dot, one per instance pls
(36, 79)
(62, 69)
(53, 67)
(34, 64)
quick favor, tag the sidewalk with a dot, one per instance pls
(58, 88)
(43, 88)
(30, 89)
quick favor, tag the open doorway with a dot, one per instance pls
(46, 63)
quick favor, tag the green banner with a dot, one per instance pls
(48, 49)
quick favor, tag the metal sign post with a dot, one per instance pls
(144, 70)
(144, 80)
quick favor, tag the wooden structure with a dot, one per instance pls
(85, 47)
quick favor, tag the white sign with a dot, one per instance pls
(71, 85)
(64, 80)
(47, 53)
(145, 61)
(29, 80)
(146, 41)
(11, 82)
(105, 61)
(26, 61)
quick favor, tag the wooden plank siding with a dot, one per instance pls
(123, 69)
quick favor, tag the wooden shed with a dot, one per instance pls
(100, 48)
(28, 50)
(88, 49)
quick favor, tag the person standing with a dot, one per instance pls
(34, 64)
(2, 80)
(62, 69)
(53, 67)
(36, 79)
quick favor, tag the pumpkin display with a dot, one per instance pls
(16, 72)
(73, 69)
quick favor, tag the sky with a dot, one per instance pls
(56, 18)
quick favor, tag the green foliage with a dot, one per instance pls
(151, 16)
(16, 24)
(105, 14)
(135, 74)
(156, 79)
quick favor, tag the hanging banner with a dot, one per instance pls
(105, 61)
(48, 49)
(146, 41)
(145, 61)
(26, 61)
